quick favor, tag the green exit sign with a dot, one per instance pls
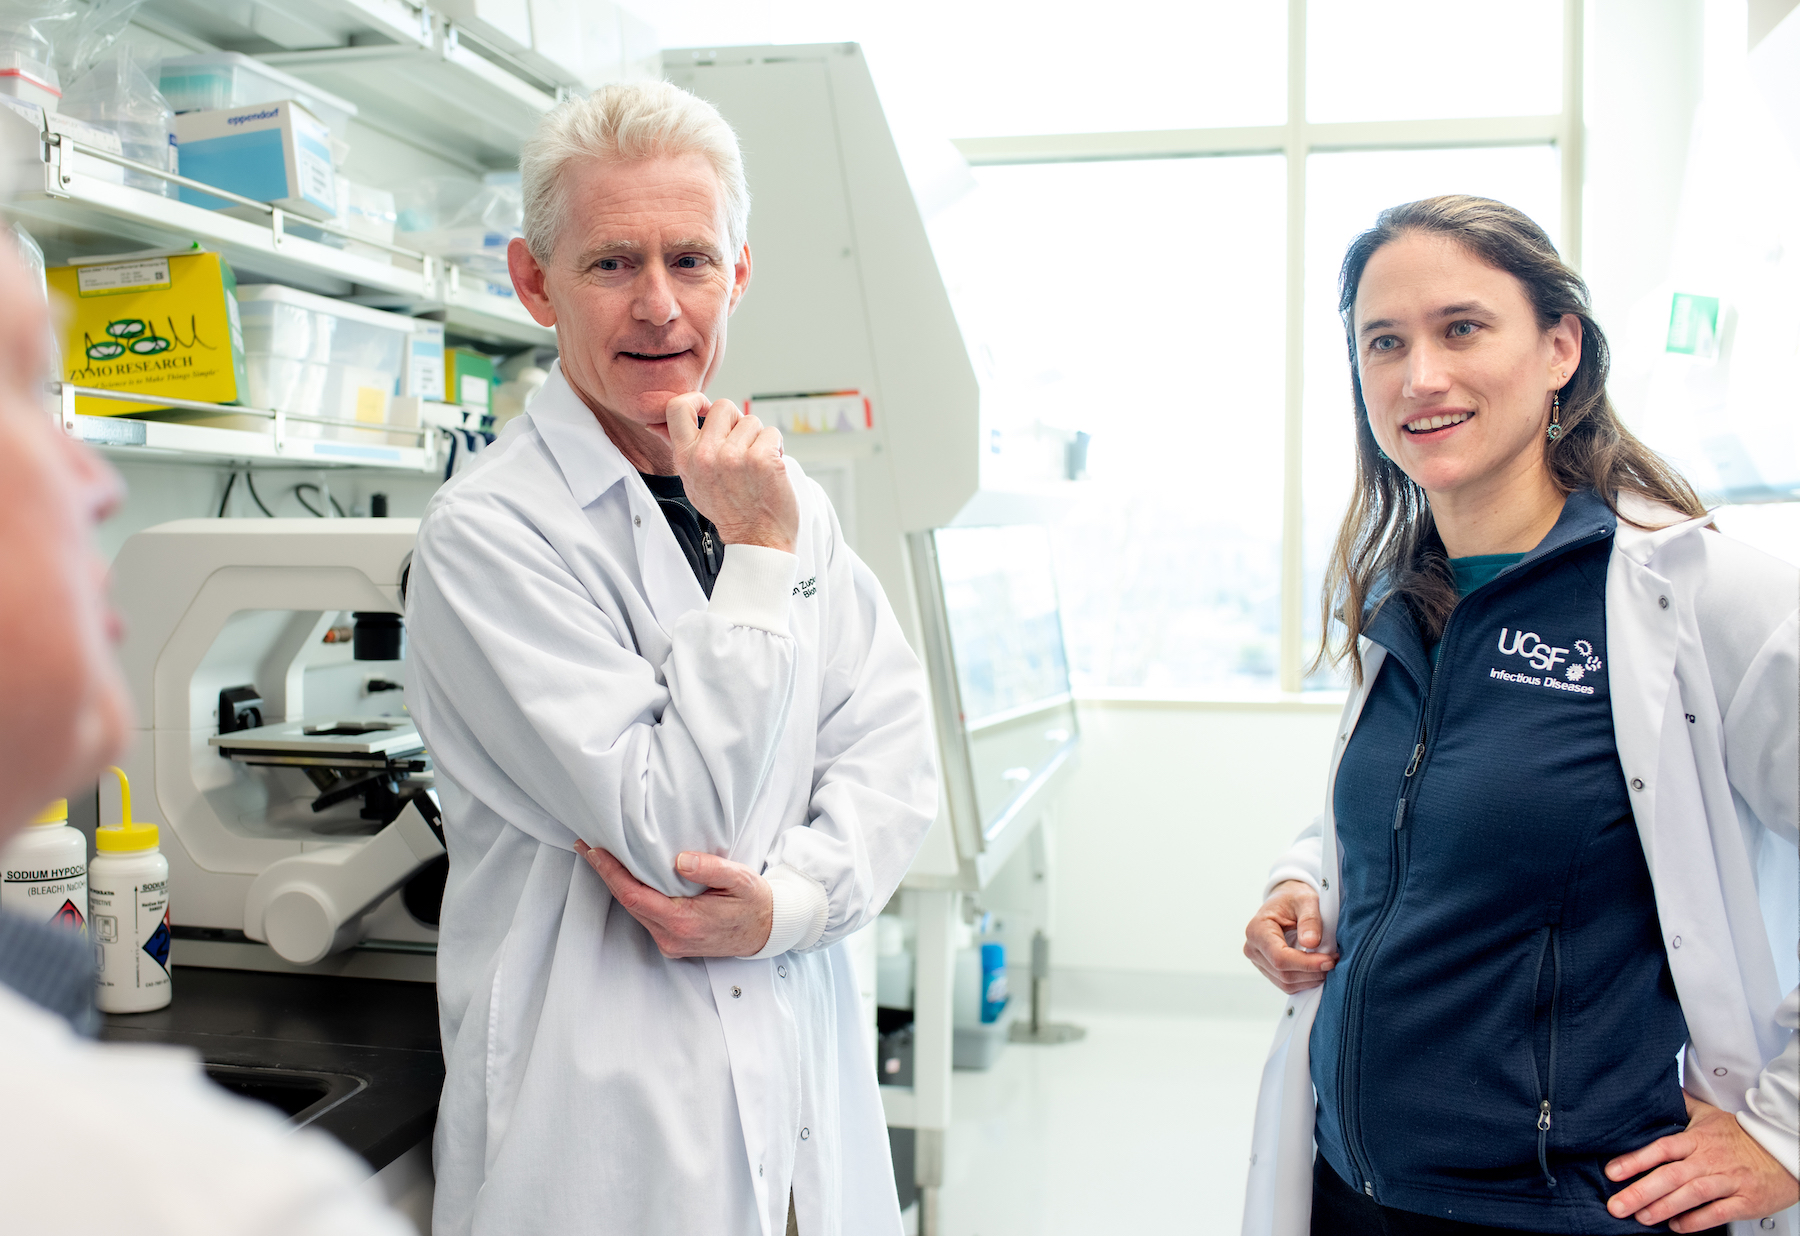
(1694, 326)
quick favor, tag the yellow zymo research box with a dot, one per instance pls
(165, 325)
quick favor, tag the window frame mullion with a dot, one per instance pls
(1294, 371)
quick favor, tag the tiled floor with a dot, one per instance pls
(1143, 1127)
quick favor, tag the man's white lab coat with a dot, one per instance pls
(1705, 681)
(572, 680)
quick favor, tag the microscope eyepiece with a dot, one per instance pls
(378, 637)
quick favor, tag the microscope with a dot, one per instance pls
(265, 659)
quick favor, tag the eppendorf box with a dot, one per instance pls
(164, 324)
(278, 153)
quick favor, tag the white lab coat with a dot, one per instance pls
(572, 680)
(108, 1138)
(1705, 680)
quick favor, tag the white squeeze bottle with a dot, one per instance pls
(43, 872)
(128, 903)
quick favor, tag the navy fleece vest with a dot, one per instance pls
(1502, 1020)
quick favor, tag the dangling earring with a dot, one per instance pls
(1555, 429)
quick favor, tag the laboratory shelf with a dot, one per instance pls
(411, 73)
(469, 315)
(83, 214)
(253, 25)
(497, 321)
(127, 437)
(76, 214)
(444, 95)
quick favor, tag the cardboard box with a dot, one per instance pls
(278, 153)
(424, 376)
(156, 323)
(468, 378)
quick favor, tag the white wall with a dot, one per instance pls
(1164, 840)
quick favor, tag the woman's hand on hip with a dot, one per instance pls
(1288, 918)
(1711, 1173)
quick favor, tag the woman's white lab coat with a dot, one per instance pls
(1705, 680)
(572, 680)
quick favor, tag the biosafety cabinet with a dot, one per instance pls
(848, 341)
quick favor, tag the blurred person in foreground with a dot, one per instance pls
(104, 1139)
(1533, 986)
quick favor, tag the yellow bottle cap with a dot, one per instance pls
(56, 813)
(127, 835)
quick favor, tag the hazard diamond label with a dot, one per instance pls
(158, 943)
(68, 917)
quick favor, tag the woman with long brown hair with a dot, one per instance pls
(1572, 735)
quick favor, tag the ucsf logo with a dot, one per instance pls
(1526, 644)
(1545, 658)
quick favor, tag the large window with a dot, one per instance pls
(1164, 193)
(1134, 300)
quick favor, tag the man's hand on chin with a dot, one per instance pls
(733, 471)
(732, 918)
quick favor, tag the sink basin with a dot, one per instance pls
(302, 1095)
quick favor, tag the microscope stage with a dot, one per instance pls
(361, 739)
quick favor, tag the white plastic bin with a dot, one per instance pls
(213, 81)
(289, 385)
(321, 357)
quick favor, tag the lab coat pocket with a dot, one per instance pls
(521, 977)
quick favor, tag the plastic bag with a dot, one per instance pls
(32, 256)
(27, 30)
(82, 34)
(117, 94)
(463, 222)
(51, 43)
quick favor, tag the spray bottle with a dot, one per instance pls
(43, 875)
(128, 898)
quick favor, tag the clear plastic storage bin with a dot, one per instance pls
(214, 80)
(317, 356)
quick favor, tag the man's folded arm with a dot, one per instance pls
(875, 788)
(525, 668)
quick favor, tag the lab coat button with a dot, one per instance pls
(1720, 1072)
(1676, 942)
(805, 1133)
(1290, 1011)
(637, 521)
(1663, 601)
(1637, 783)
(781, 970)
(736, 992)
(1766, 1224)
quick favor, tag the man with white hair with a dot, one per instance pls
(639, 639)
